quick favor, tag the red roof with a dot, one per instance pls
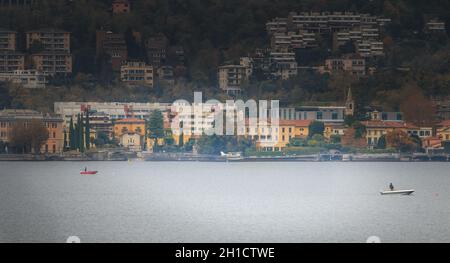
(296, 123)
(386, 124)
(445, 123)
(130, 120)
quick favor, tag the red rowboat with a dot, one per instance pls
(88, 172)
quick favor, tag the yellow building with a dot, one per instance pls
(54, 125)
(443, 130)
(130, 133)
(376, 129)
(333, 129)
(291, 129)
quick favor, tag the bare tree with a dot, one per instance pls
(29, 135)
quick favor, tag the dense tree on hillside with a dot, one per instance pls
(415, 107)
(213, 32)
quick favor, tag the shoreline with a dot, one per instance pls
(177, 157)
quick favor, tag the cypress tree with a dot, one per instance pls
(71, 135)
(77, 133)
(87, 131)
(81, 134)
(65, 140)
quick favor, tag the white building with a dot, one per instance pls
(31, 79)
(113, 110)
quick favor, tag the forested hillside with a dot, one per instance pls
(213, 32)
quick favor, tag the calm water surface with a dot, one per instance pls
(223, 202)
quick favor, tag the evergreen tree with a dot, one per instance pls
(71, 135)
(81, 135)
(65, 140)
(87, 131)
(156, 127)
(76, 134)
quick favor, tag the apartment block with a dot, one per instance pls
(11, 61)
(370, 49)
(327, 22)
(435, 26)
(137, 72)
(166, 75)
(277, 25)
(285, 65)
(17, 3)
(231, 77)
(352, 65)
(52, 63)
(300, 30)
(7, 40)
(49, 39)
(113, 45)
(30, 79)
(156, 48)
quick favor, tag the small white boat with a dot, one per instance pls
(398, 192)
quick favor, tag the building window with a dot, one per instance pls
(319, 115)
(334, 116)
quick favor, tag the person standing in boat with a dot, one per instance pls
(85, 169)
(391, 186)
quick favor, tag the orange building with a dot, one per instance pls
(291, 129)
(130, 133)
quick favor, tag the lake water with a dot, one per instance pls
(223, 202)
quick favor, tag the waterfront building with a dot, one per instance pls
(337, 129)
(30, 79)
(385, 116)
(443, 130)
(328, 114)
(289, 130)
(130, 133)
(421, 132)
(111, 110)
(101, 123)
(137, 73)
(53, 123)
(376, 129)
